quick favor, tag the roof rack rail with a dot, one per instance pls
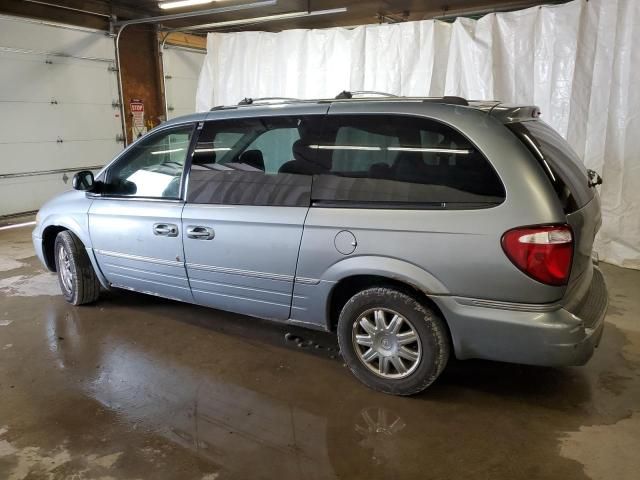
(448, 99)
(251, 101)
(345, 94)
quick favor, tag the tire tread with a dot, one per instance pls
(87, 285)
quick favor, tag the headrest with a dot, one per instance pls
(301, 151)
(253, 158)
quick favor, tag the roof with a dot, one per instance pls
(507, 113)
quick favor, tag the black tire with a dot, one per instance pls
(84, 286)
(429, 328)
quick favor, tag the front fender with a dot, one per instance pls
(78, 228)
(69, 211)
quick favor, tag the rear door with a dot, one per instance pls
(135, 223)
(571, 183)
(245, 210)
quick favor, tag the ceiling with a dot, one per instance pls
(359, 12)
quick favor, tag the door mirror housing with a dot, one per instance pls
(83, 181)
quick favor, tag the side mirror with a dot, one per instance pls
(83, 181)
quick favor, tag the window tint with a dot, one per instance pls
(562, 165)
(153, 167)
(276, 147)
(401, 160)
(253, 161)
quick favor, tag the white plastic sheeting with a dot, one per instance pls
(578, 61)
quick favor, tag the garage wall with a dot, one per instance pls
(181, 67)
(59, 112)
(141, 79)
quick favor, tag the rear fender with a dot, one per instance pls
(312, 297)
(393, 268)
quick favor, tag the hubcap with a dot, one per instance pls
(386, 343)
(64, 267)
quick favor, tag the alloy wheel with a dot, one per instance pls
(64, 266)
(386, 343)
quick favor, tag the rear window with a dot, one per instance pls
(393, 161)
(560, 162)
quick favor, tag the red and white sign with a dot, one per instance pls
(138, 127)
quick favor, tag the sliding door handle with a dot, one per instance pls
(200, 233)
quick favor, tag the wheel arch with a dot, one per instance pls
(358, 273)
(49, 235)
(344, 289)
(51, 231)
(56, 224)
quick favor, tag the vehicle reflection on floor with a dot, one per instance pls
(224, 422)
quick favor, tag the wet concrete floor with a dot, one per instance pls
(136, 387)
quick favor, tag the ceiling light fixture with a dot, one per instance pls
(183, 3)
(269, 18)
(195, 13)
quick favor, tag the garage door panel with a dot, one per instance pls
(43, 122)
(39, 157)
(56, 96)
(181, 94)
(41, 188)
(183, 61)
(182, 69)
(69, 79)
(21, 78)
(27, 78)
(34, 35)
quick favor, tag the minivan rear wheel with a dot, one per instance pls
(391, 341)
(76, 277)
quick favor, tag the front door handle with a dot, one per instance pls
(200, 233)
(165, 229)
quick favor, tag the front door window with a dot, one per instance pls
(153, 167)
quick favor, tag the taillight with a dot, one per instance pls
(544, 253)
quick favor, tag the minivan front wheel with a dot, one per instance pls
(392, 342)
(76, 277)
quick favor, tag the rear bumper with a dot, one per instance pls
(547, 335)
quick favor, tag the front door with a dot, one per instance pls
(248, 196)
(135, 222)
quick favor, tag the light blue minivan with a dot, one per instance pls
(415, 228)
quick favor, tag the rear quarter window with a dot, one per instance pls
(563, 167)
(393, 161)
